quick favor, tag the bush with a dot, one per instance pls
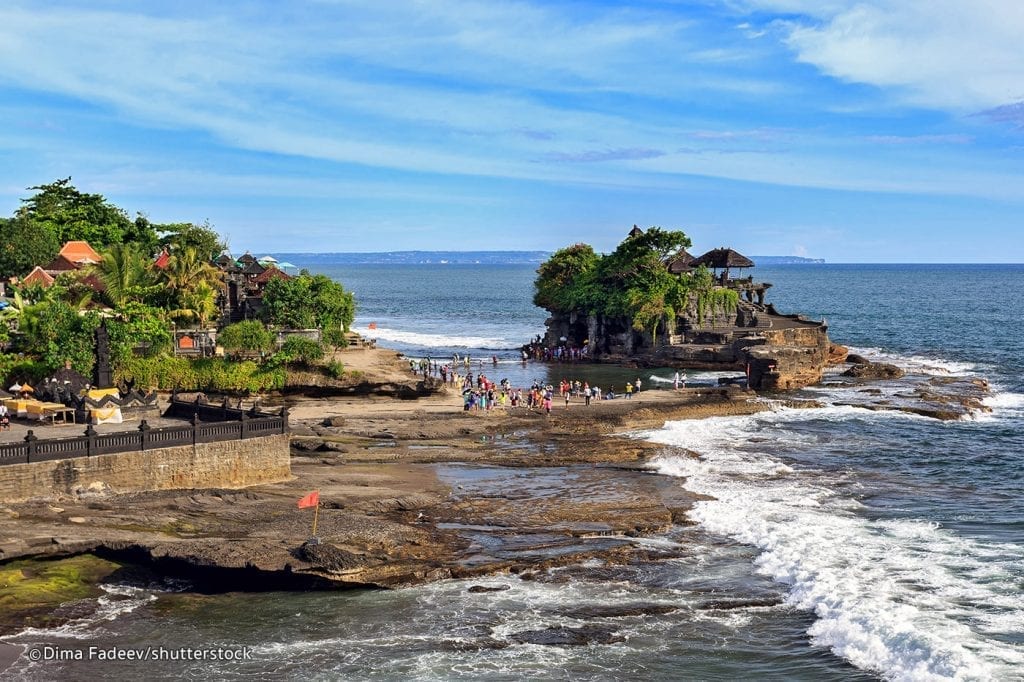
(206, 374)
(335, 369)
(305, 350)
(335, 338)
(249, 336)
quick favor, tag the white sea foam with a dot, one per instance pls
(901, 598)
(440, 340)
(117, 601)
(918, 364)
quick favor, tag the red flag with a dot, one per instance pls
(310, 500)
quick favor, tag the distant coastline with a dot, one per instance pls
(468, 257)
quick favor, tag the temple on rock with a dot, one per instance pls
(721, 322)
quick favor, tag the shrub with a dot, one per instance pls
(305, 350)
(335, 369)
(206, 374)
(249, 336)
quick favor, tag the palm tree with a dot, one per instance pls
(125, 274)
(192, 285)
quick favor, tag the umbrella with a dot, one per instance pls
(25, 388)
(15, 388)
(267, 259)
(287, 265)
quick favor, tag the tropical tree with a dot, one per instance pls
(25, 244)
(68, 214)
(203, 238)
(249, 336)
(191, 284)
(308, 302)
(126, 275)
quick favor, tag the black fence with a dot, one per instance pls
(207, 424)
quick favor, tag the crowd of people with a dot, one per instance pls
(481, 393)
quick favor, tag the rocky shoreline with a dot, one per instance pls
(411, 490)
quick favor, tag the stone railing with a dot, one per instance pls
(207, 424)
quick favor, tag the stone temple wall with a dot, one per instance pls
(223, 464)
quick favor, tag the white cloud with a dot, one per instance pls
(950, 54)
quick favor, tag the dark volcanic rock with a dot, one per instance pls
(334, 421)
(621, 611)
(565, 636)
(306, 444)
(855, 359)
(726, 604)
(488, 588)
(874, 370)
(328, 557)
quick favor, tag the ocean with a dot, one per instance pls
(841, 542)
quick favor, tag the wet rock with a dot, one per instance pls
(76, 519)
(855, 359)
(476, 589)
(334, 421)
(473, 645)
(306, 444)
(330, 446)
(728, 604)
(875, 370)
(566, 636)
(620, 610)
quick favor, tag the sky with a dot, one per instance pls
(867, 131)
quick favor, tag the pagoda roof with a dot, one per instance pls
(253, 268)
(636, 231)
(80, 252)
(679, 263)
(38, 276)
(62, 264)
(722, 259)
(271, 273)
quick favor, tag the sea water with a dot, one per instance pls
(840, 543)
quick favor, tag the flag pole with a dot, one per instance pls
(316, 513)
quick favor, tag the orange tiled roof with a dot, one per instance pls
(38, 276)
(61, 264)
(80, 252)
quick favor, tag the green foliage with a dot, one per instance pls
(632, 282)
(714, 301)
(203, 239)
(54, 332)
(205, 374)
(562, 281)
(247, 337)
(308, 302)
(307, 351)
(138, 330)
(19, 368)
(191, 285)
(69, 214)
(25, 243)
(335, 369)
(126, 275)
(335, 338)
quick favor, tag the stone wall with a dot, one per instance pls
(223, 464)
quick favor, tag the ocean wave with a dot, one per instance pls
(426, 340)
(919, 364)
(896, 597)
(117, 601)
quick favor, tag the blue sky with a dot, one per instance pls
(878, 130)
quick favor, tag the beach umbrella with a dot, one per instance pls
(285, 265)
(25, 388)
(15, 388)
(267, 259)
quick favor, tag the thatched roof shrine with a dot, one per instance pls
(635, 232)
(723, 259)
(680, 263)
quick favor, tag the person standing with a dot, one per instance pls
(636, 389)
(675, 382)
(629, 391)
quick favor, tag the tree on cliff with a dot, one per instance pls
(632, 282)
(564, 281)
(308, 302)
(59, 208)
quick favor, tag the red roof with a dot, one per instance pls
(269, 274)
(80, 252)
(61, 264)
(38, 276)
(162, 260)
